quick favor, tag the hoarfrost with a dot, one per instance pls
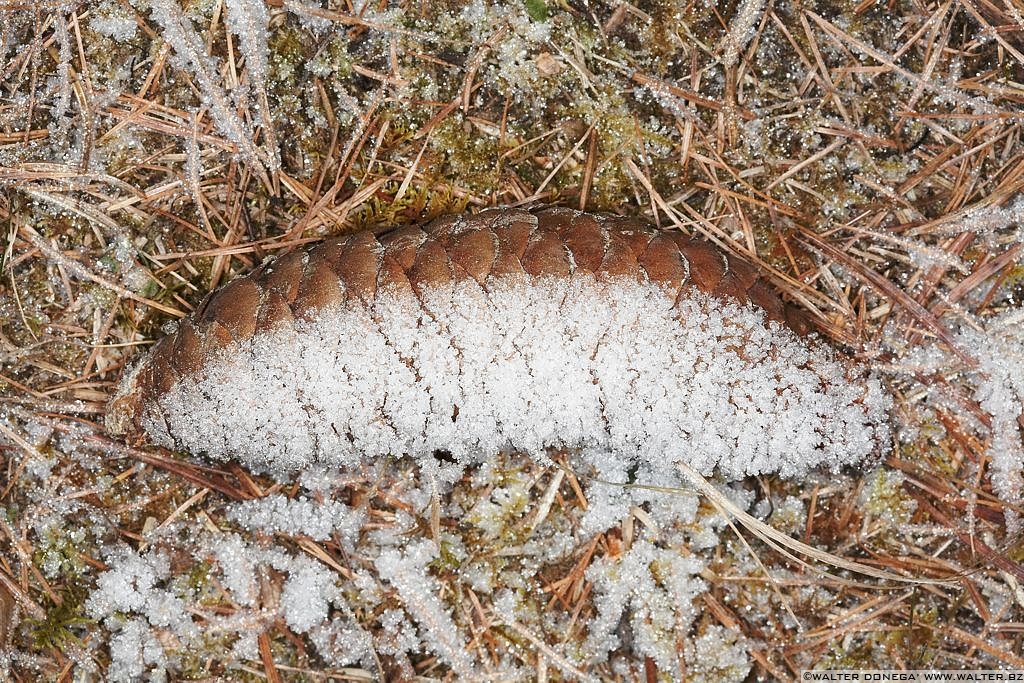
(420, 593)
(278, 514)
(63, 100)
(342, 642)
(131, 599)
(248, 20)
(998, 385)
(192, 56)
(231, 553)
(655, 588)
(306, 594)
(716, 656)
(741, 29)
(610, 369)
(514, 62)
(990, 223)
(132, 649)
(152, 613)
(112, 20)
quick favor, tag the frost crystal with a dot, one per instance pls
(134, 587)
(612, 369)
(656, 588)
(741, 29)
(420, 593)
(1000, 392)
(306, 594)
(302, 516)
(193, 57)
(717, 655)
(155, 615)
(998, 386)
(113, 21)
(248, 20)
(992, 223)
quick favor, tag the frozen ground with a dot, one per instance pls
(867, 155)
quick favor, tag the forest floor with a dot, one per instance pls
(868, 156)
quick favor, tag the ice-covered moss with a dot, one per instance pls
(654, 589)
(883, 497)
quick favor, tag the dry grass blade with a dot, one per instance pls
(841, 36)
(200, 476)
(273, 675)
(996, 559)
(16, 595)
(552, 656)
(7, 607)
(780, 541)
(687, 95)
(179, 32)
(74, 266)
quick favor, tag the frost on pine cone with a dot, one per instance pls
(510, 329)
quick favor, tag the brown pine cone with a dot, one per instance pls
(472, 254)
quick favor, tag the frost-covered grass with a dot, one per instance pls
(867, 155)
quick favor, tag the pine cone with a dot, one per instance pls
(484, 253)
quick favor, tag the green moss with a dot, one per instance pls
(58, 553)
(537, 9)
(448, 560)
(883, 496)
(62, 623)
(108, 58)
(332, 60)
(466, 154)
(1014, 277)
(196, 582)
(919, 642)
(289, 47)
(417, 205)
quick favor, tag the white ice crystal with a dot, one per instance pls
(301, 516)
(152, 614)
(237, 565)
(999, 383)
(192, 56)
(132, 649)
(342, 642)
(609, 369)
(627, 379)
(998, 386)
(306, 594)
(992, 223)
(656, 588)
(421, 595)
(129, 587)
(717, 656)
(112, 20)
(248, 20)
(741, 29)
(513, 68)
(131, 599)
